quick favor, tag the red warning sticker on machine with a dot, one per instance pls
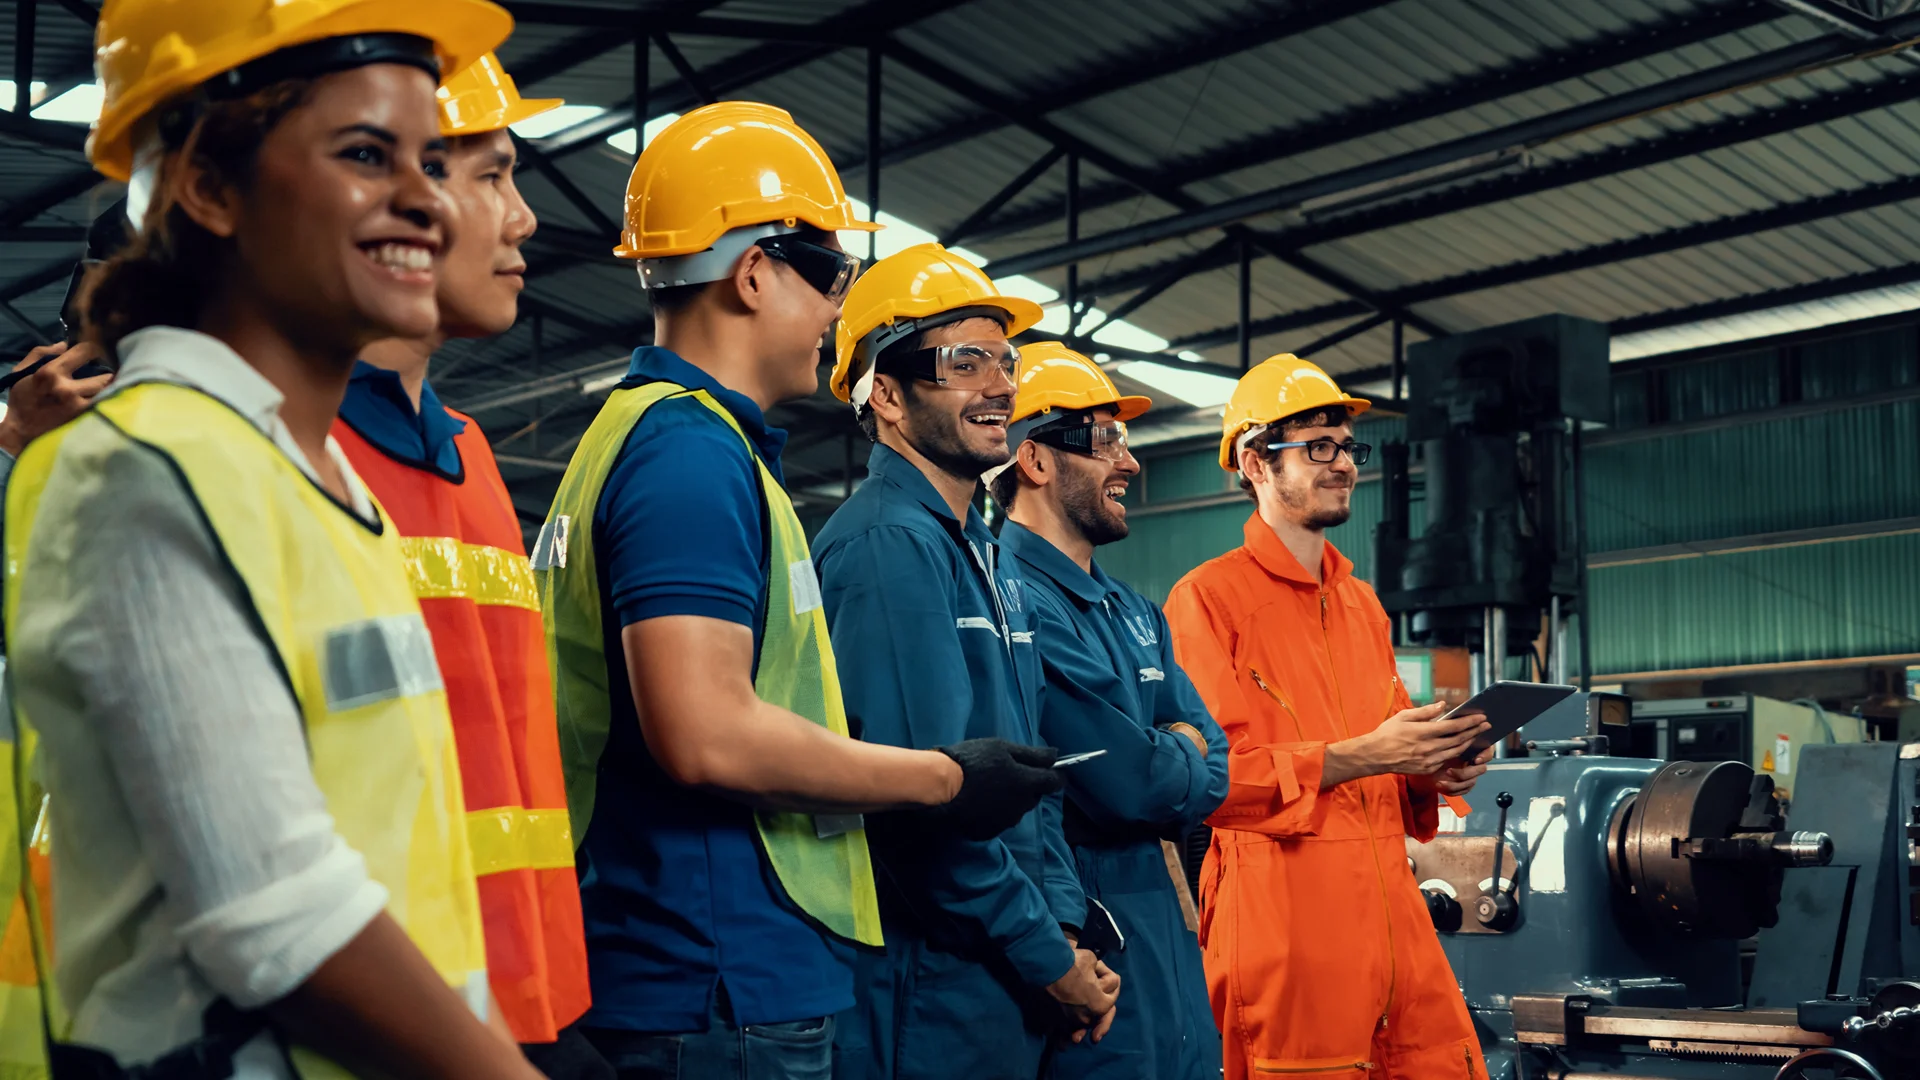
(1782, 756)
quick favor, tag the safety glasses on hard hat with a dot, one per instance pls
(1107, 441)
(1324, 451)
(965, 365)
(829, 271)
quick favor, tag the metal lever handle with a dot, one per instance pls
(1504, 800)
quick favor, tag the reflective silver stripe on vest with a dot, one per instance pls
(377, 660)
(550, 547)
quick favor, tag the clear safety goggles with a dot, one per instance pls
(1107, 441)
(964, 365)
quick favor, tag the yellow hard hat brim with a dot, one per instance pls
(1022, 314)
(528, 108)
(1127, 408)
(462, 31)
(503, 119)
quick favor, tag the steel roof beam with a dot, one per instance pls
(869, 20)
(1647, 152)
(606, 18)
(1715, 309)
(1612, 109)
(1586, 258)
(1015, 112)
(1832, 15)
(565, 186)
(1005, 195)
(46, 133)
(1552, 67)
(1760, 301)
(1351, 330)
(1155, 60)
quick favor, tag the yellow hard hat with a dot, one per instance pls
(1279, 386)
(147, 52)
(896, 296)
(727, 166)
(483, 98)
(1053, 376)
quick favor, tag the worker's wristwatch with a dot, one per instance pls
(1192, 733)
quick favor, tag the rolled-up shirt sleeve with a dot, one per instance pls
(203, 741)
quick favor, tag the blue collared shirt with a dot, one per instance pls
(933, 641)
(676, 894)
(1112, 684)
(378, 408)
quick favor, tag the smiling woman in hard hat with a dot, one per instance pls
(243, 734)
(1320, 955)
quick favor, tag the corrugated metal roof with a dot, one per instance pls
(1256, 97)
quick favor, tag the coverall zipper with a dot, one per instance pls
(1357, 1065)
(1366, 814)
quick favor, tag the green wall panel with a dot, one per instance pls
(1836, 468)
(1819, 601)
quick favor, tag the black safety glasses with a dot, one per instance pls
(1324, 451)
(829, 271)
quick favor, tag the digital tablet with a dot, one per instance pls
(1507, 706)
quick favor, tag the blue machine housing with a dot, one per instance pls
(1575, 935)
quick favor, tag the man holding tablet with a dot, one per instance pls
(1320, 956)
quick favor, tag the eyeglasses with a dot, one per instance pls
(964, 365)
(1324, 451)
(831, 272)
(1106, 441)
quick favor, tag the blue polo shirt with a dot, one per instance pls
(378, 408)
(676, 894)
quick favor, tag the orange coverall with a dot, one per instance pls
(1321, 958)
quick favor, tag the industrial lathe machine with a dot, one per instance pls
(1594, 910)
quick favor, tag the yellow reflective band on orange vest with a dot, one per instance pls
(515, 838)
(441, 568)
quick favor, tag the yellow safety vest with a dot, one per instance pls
(23, 867)
(830, 877)
(331, 593)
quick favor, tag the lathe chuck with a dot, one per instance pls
(1700, 850)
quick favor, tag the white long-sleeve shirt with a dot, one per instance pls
(195, 857)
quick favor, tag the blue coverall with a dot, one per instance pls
(934, 646)
(1112, 684)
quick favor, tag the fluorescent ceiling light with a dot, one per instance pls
(7, 91)
(1757, 324)
(1125, 335)
(1197, 388)
(1189, 354)
(80, 105)
(624, 142)
(556, 120)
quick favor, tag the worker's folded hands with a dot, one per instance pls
(1000, 782)
(1087, 994)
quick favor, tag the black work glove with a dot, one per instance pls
(1001, 781)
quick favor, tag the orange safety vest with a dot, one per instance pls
(468, 565)
(1321, 958)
